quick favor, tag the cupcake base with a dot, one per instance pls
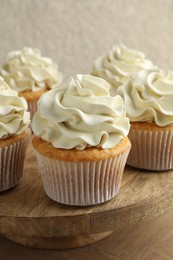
(71, 180)
(32, 99)
(152, 147)
(12, 155)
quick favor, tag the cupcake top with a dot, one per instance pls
(27, 70)
(14, 117)
(120, 64)
(148, 97)
(81, 115)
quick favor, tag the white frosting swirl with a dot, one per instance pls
(80, 115)
(14, 117)
(26, 70)
(148, 97)
(120, 64)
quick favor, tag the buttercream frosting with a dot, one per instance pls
(14, 117)
(148, 97)
(27, 70)
(81, 115)
(120, 64)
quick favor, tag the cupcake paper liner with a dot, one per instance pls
(32, 107)
(12, 163)
(151, 150)
(82, 183)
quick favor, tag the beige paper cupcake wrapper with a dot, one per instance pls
(12, 163)
(151, 150)
(82, 183)
(32, 107)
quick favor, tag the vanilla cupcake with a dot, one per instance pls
(119, 65)
(14, 135)
(30, 74)
(148, 98)
(81, 141)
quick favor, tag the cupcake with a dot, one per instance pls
(14, 135)
(30, 74)
(119, 65)
(148, 98)
(81, 141)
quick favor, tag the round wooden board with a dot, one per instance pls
(29, 217)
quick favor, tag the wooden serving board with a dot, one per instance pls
(29, 217)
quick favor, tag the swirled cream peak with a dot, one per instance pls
(27, 70)
(148, 97)
(120, 64)
(81, 115)
(14, 117)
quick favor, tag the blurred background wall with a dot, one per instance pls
(75, 32)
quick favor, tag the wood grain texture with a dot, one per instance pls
(29, 217)
(151, 240)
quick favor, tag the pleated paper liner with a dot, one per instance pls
(151, 150)
(32, 107)
(12, 162)
(32, 98)
(82, 183)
